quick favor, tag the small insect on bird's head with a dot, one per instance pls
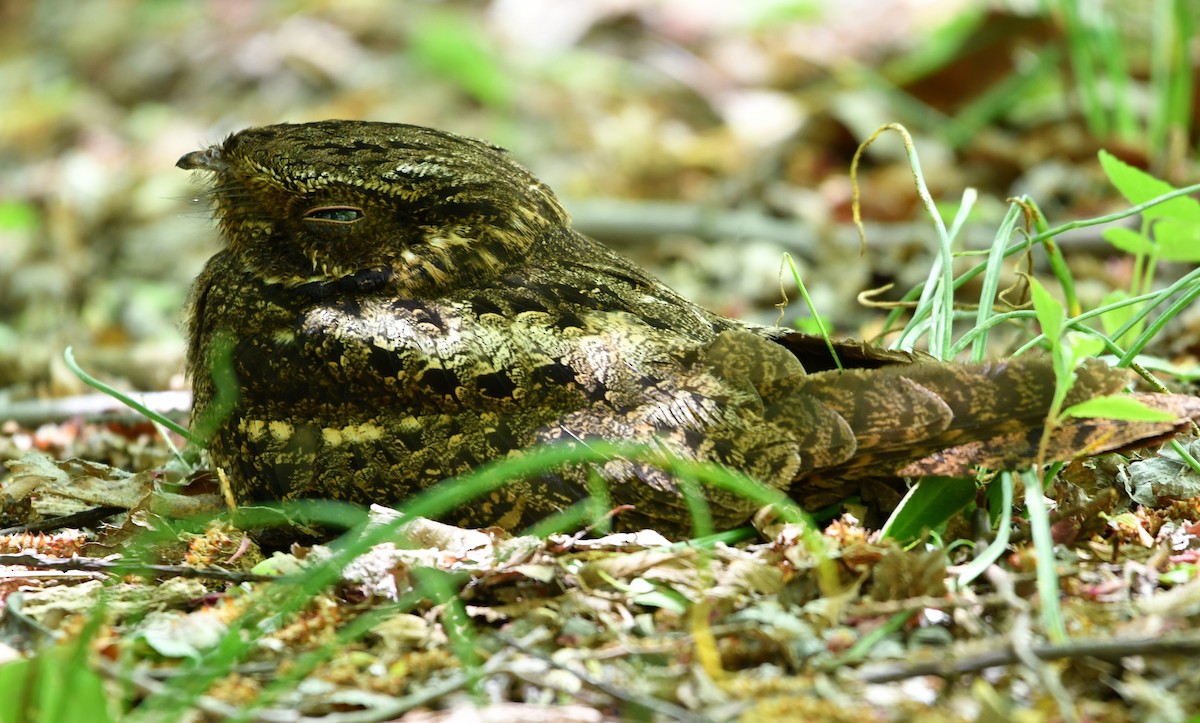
(323, 202)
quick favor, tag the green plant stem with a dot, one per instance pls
(88, 379)
(1080, 38)
(1170, 75)
(863, 646)
(988, 556)
(940, 337)
(991, 285)
(1043, 545)
(812, 309)
(1075, 323)
(1041, 237)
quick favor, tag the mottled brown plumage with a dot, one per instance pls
(400, 305)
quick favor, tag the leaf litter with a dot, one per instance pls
(621, 625)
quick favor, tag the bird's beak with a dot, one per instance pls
(208, 159)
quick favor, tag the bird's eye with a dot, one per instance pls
(334, 214)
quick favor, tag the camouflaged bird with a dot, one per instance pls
(401, 305)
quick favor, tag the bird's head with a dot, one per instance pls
(318, 203)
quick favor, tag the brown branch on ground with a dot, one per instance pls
(95, 408)
(886, 608)
(1110, 650)
(83, 518)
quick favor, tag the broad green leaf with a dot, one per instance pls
(1049, 312)
(1118, 406)
(1114, 319)
(1138, 187)
(932, 502)
(1129, 241)
(1082, 346)
(1178, 240)
(84, 699)
(52, 687)
(16, 678)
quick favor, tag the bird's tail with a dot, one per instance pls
(932, 419)
(911, 416)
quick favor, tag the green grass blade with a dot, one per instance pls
(1043, 544)
(996, 548)
(88, 379)
(991, 283)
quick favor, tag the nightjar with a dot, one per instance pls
(396, 305)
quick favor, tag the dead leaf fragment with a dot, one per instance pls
(1165, 475)
(902, 574)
